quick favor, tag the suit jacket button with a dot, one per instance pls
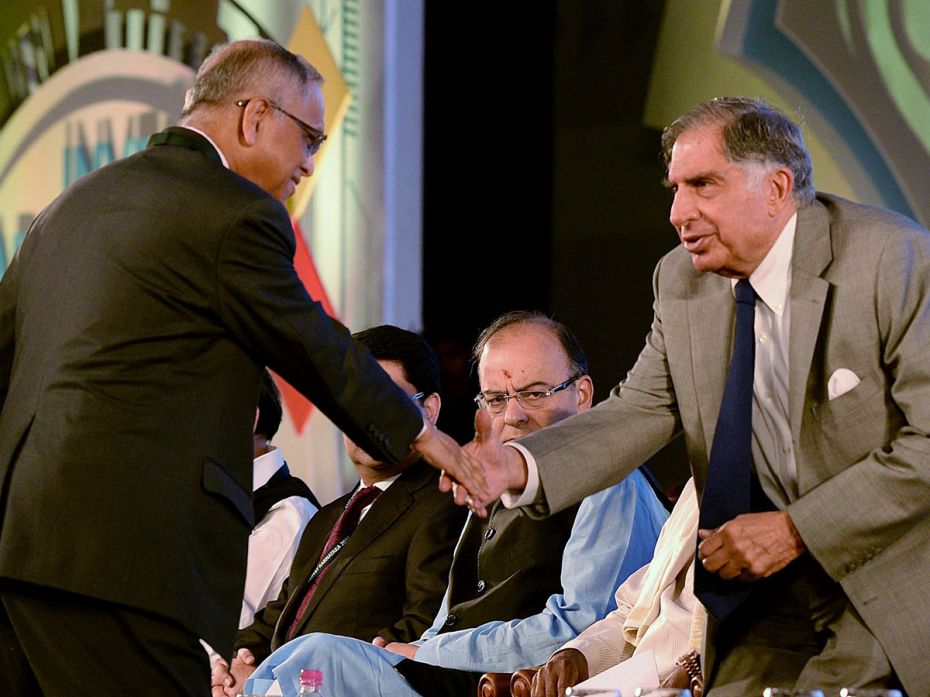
(489, 533)
(450, 620)
(480, 587)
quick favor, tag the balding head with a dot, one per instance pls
(252, 66)
(263, 107)
(532, 355)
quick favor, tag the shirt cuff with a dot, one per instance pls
(515, 499)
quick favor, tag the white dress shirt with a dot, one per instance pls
(273, 541)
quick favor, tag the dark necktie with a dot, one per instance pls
(729, 472)
(342, 530)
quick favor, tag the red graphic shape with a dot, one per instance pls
(298, 406)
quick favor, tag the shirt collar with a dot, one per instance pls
(384, 483)
(264, 467)
(772, 278)
(211, 142)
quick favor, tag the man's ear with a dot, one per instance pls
(252, 115)
(585, 392)
(431, 405)
(780, 185)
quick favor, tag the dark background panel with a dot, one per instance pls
(542, 188)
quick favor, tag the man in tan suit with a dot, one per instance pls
(840, 412)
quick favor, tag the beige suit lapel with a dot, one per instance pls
(711, 313)
(812, 253)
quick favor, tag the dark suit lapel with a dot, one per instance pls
(384, 513)
(812, 253)
(308, 555)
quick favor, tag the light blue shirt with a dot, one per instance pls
(614, 534)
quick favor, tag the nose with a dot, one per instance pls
(682, 209)
(307, 167)
(514, 413)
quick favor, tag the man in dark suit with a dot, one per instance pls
(134, 324)
(388, 578)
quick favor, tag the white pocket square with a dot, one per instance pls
(841, 382)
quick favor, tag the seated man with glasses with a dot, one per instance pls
(519, 587)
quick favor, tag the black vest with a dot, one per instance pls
(506, 566)
(282, 485)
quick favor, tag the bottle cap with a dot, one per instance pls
(311, 676)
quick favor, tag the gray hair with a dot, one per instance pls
(753, 132)
(252, 67)
(577, 361)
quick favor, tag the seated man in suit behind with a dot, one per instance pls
(386, 577)
(514, 594)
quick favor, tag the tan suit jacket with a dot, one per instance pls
(860, 300)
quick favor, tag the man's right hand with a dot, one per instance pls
(227, 680)
(565, 668)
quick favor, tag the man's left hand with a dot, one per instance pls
(405, 650)
(751, 546)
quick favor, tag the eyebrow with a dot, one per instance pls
(528, 386)
(711, 175)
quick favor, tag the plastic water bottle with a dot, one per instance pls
(311, 683)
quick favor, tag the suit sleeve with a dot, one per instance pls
(611, 440)
(427, 567)
(257, 636)
(263, 302)
(8, 291)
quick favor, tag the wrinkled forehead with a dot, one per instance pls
(522, 355)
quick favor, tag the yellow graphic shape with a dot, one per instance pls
(308, 41)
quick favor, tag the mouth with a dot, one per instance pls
(695, 244)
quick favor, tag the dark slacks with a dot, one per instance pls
(434, 681)
(55, 644)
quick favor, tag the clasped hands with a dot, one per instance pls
(478, 473)
(751, 546)
(226, 680)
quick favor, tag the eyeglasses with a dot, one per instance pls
(496, 402)
(417, 397)
(314, 137)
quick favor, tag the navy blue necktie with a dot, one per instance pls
(729, 472)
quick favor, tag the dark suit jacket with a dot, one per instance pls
(860, 302)
(387, 581)
(134, 323)
(506, 566)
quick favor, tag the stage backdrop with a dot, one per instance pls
(856, 73)
(86, 82)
